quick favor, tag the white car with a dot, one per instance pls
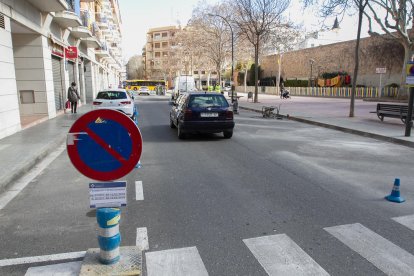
(144, 90)
(116, 99)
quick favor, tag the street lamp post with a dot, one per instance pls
(232, 59)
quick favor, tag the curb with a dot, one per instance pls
(343, 129)
(26, 166)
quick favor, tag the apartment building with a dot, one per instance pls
(158, 54)
(163, 58)
(47, 44)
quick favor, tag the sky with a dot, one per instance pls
(138, 16)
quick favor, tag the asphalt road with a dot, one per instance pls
(273, 177)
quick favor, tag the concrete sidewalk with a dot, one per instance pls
(334, 113)
(23, 150)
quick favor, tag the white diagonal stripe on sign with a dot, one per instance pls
(407, 221)
(172, 262)
(280, 255)
(388, 257)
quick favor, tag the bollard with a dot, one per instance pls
(108, 237)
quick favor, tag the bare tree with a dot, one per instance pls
(135, 68)
(255, 19)
(395, 18)
(331, 8)
(214, 35)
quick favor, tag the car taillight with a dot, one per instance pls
(188, 114)
(127, 102)
(97, 103)
(229, 115)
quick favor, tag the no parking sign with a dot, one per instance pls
(104, 144)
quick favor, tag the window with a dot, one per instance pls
(111, 95)
(203, 72)
(195, 72)
(157, 45)
(164, 34)
(208, 100)
(157, 54)
(164, 44)
(157, 36)
(164, 54)
(172, 33)
(27, 96)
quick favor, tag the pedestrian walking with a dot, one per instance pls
(73, 97)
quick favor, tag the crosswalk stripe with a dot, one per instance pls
(388, 257)
(65, 269)
(280, 255)
(142, 239)
(182, 261)
(407, 221)
(44, 258)
(139, 191)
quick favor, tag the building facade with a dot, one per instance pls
(311, 63)
(47, 44)
(164, 59)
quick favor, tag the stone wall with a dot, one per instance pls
(374, 52)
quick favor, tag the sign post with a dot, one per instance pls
(105, 145)
(380, 71)
(409, 81)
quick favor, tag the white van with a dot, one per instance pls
(183, 83)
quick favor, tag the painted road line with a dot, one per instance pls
(2, 147)
(407, 221)
(142, 239)
(65, 269)
(139, 191)
(19, 185)
(382, 253)
(183, 262)
(280, 255)
(44, 258)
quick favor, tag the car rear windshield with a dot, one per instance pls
(111, 95)
(207, 100)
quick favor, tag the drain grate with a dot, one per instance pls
(2, 21)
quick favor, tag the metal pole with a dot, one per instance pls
(379, 92)
(408, 120)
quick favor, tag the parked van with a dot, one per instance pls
(183, 83)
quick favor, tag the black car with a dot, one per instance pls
(202, 113)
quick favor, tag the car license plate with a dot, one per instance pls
(211, 114)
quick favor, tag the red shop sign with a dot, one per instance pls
(71, 52)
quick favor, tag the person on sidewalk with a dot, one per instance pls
(73, 97)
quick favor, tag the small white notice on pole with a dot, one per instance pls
(107, 194)
(382, 70)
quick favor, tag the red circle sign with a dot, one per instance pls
(104, 144)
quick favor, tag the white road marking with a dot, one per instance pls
(65, 269)
(183, 262)
(382, 253)
(2, 147)
(44, 258)
(142, 239)
(139, 191)
(17, 187)
(407, 221)
(280, 255)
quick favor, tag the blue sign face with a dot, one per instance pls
(96, 156)
(104, 144)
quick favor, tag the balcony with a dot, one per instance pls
(49, 5)
(91, 42)
(81, 32)
(67, 19)
(101, 53)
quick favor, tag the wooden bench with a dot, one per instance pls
(392, 111)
